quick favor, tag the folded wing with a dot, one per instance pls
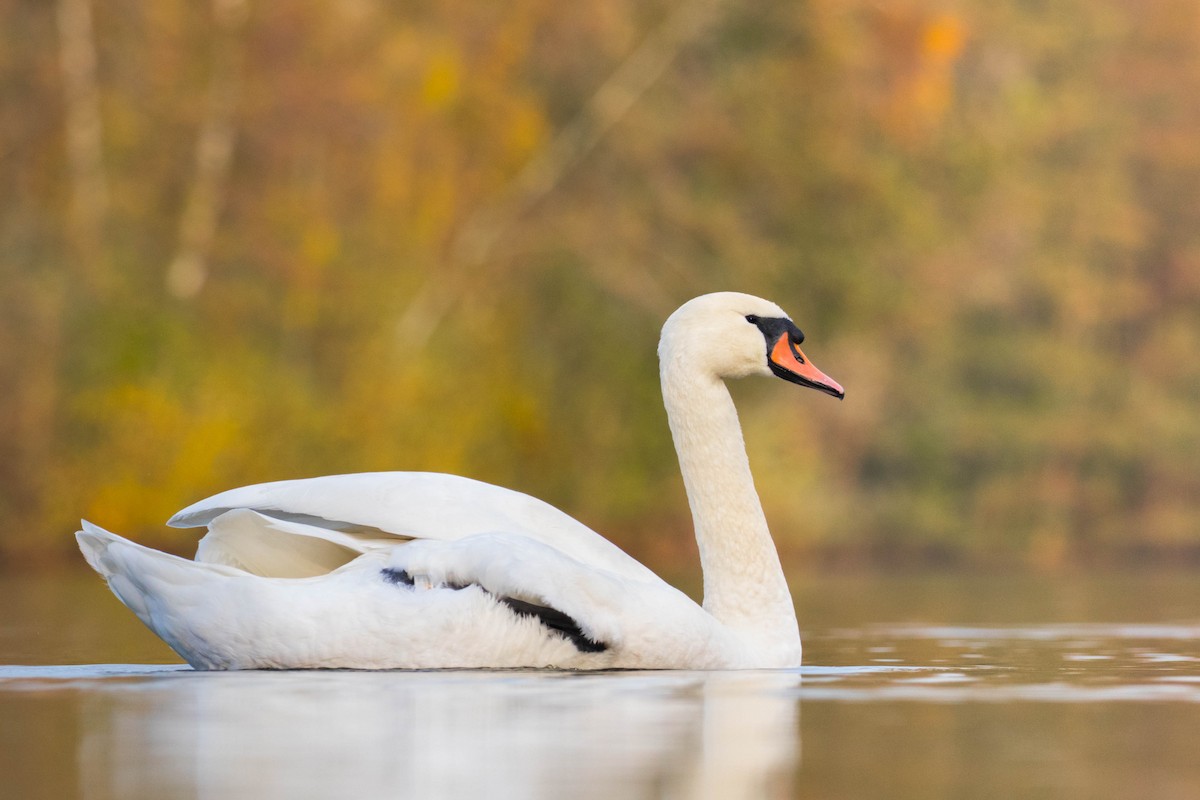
(301, 528)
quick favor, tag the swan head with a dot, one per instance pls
(734, 335)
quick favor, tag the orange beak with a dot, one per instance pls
(790, 364)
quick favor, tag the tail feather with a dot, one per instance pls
(94, 542)
(158, 587)
(110, 554)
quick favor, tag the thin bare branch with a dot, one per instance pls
(467, 262)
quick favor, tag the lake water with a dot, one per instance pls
(918, 686)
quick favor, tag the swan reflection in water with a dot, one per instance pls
(519, 734)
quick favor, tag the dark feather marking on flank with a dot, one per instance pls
(552, 618)
(397, 576)
(556, 621)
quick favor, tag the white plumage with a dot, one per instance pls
(421, 570)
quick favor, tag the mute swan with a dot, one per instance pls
(412, 570)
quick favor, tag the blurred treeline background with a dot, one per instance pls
(245, 241)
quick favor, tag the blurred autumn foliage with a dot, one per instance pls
(245, 241)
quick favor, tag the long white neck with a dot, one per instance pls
(744, 586)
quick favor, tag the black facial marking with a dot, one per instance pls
(774, 327)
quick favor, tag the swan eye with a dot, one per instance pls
(752, 319)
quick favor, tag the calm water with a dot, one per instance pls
(914, 687)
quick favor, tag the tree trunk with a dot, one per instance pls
(84, 137)
(188, 271)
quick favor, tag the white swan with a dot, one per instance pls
(418, 570)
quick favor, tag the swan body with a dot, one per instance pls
(413, 570)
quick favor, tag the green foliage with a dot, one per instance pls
(986, 216)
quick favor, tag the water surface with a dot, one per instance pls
(913, 687)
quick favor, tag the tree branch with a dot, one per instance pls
(471, 249)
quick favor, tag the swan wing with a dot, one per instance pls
(365, 511)
(576, 601)
(281, 548)
(627, 623)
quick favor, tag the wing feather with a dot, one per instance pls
(277, 548)
(370, 507)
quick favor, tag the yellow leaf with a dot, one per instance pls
(943, 38)
(442, 79)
